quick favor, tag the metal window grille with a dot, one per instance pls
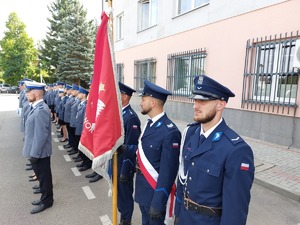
(144, 70)
(120, 72)
(181, 71)
(271, 73)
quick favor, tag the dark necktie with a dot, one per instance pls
(201, 139)
(149, 123)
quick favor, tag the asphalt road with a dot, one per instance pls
(76, 201)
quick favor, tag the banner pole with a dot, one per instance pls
(115, 155)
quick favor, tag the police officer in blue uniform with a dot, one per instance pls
(58, 85)
(74, 109)
(61, 112)
(50, 99)
(216, 165)
(23, 102)
(86, 162)
(127, 156)
(38, 143)
(159, 143)
(67, 115)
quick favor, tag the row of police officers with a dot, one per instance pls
(203, 175)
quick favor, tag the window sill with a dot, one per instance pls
(291, 104)
(148, 28)
(191, 10)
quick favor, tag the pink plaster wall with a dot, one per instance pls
(225, 42)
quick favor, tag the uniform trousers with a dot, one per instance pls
(42, 170)
(71, 133)
(85, 160)
(125, 192)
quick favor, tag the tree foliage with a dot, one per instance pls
(18, 56)
(67, 50)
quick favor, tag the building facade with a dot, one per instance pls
(252, 47)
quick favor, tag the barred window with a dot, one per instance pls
(182, 69)
(120, 72)
(271, 73)
(144, 70)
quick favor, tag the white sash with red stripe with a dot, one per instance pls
(151, 176)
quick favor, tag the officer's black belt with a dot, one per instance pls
(201, 209)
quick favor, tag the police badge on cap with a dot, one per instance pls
(208, 89)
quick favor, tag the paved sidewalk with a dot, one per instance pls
(276, 167)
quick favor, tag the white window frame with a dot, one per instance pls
(193, 4)
(147, 16)
(120, 27)
(270, 73)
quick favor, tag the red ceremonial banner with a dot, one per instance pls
(103, 123)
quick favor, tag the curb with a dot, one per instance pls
(278, 190)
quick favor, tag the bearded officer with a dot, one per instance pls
(216, 165)
(157, 155)
(38, 143)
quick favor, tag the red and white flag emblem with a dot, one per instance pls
(245, 166)
(175, 145)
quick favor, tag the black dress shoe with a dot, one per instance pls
(64, 140)
(67, 146)
(37, 202)
(125, 222)
(80, 165)
(91, 175)
(28, 164)
(36, 186)
(39, 208)
(37, 191)
(78, 160)
(73, 153)
(31, 176)
(76, 157)
(95, 178)
(84, 168)
(33, 179)
(59, 136)
(71, 150)
(29, 168)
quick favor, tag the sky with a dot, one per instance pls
(34, 14)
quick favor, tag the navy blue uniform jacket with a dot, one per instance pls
(161, 144)
(219, 173)
(132, 129)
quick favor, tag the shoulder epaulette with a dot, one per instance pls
(193, 124)
(40, 107)
(233, 136)
(170, 125)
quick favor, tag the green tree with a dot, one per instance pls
(76, 49)
(67, 52)
(18, 55)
